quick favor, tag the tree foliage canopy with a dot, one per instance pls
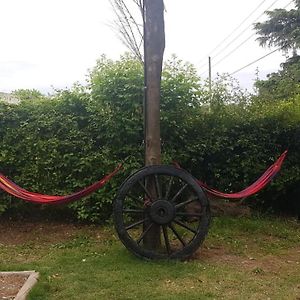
(284, 84)
(282, 29)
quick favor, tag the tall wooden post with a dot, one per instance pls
(154, 45)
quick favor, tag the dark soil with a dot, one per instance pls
(43, 232)
(10, 284)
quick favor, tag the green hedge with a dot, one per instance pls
(62, 143)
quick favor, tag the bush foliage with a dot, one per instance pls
(61, 143)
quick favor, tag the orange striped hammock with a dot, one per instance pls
(15, 190)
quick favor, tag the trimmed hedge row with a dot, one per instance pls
(62, 143)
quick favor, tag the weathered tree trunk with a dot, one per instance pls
(154, 45)
(154, 51)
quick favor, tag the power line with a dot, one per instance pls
(242, 32)
(247, 39)
(253, 62)
(232, 51)
(237, 27)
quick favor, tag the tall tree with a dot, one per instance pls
(129, 24)
(154, 45)
(282, 29)
(283, 84)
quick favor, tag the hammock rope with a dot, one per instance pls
(13, 189)
(255, 187)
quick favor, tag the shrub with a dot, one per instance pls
(62, 143)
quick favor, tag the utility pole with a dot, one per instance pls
(209, 74)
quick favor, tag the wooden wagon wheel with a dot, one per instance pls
(165, 197)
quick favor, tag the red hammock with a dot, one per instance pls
(255, 187)
(13, 189)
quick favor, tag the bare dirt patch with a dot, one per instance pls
(270, 263)
(18, 233)
(11, 284)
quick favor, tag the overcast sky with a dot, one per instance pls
(53, 43)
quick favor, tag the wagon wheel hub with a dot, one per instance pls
(162, 212)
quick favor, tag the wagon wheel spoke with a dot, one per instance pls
(136, 199)
(166, 238)
(186, 214)
(144, 233)
(177, 235)
(170, 183)
(158, 187)
(133, 211)
(179, 193)
(146, 191)
(179, 205)
(135, 224)
(185, 226)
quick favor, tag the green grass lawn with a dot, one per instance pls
(242, 258)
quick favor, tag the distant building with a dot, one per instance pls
(9, 98)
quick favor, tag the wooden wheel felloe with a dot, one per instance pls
(167, 199)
